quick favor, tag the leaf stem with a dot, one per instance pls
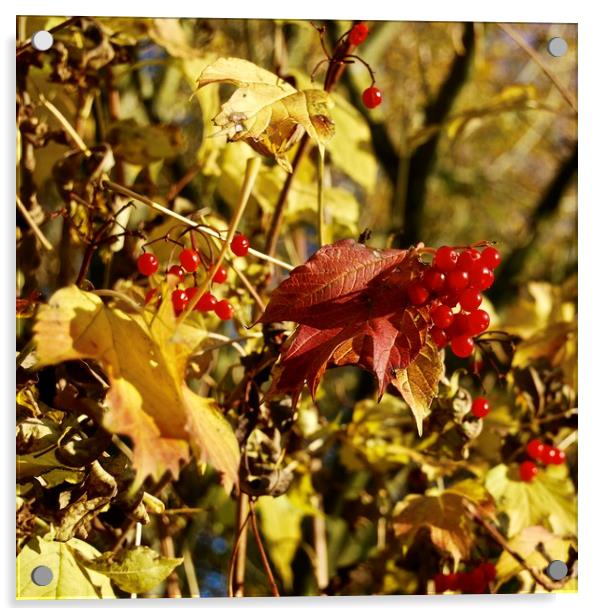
(262, 553)
(321, 230)
(33, 225)
(236, 567)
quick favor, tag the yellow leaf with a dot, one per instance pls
(267, 112)
(145, 360)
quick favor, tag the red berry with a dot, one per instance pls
(372, 97)
(468, 258)
(491, 257)
(480, 407)
(148, 298)
(178, 271)
(439, 337)
(480, 276)
(190, 291)
(417, 294)
(224, 310)
(179, 299)
(470, 299)
(528, 470)
(489, 571)
(442, 316)
(560, 457)
(240, 245)
(549, 455)
(358, 34)
(535, 449)
(433, 280)
(190, 259)
(147, 263)
(457, 280)
(445, 259)
(462, 346)
(220, 275)
(441, 583)
(459, 327)
(477, 322)
(450, 299)
(206, 303)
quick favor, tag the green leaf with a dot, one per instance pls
(419, 382)
(137, 570)
(549, 499)
(70, 578)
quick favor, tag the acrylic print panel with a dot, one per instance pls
(296, 308)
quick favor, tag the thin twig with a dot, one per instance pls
(122, 190)
(79, 142)
(543, 65)
(236, 566)
(495, 534)
(137, 543)
(251, 172)
(178, 186)
(262, 553)
(191, 579)
(320, 544)
(26, 44)
(33, 225)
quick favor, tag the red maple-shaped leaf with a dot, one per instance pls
(351, 304)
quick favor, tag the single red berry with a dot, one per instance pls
(491, 257)
(190, 259)
(372, 97)
(177, 270)
(441, 583)
(206, 303)
(190, 291)
(148, 298)
(224, 310)
(220, 275)
(468, 258)
(453, 581)
(417, 294)
(470, 299)
(535, 449)
(179, 299)
(477, 322)
(450, 299)
(459, 327)
(433, 280)
(474, 582)
(442, 316)
(358, 34)
(147, 263)
(240, 245)
(462, 346)
(439, 337)
(480, 407)
(445, 259)
(489, 571)
(528, 470)
(549, 455)
(457, 280)
(480, 276)
(560, 457)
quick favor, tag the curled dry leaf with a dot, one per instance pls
(267, 112)
(145, 361)
(352, 307)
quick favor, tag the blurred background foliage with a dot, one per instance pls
(474, 141)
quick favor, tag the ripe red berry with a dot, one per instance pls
(445, 259)
(190, 259)
(439, 337)
(489, 571)
(459, 327)
(220, 275)
(358, 34)
(457, 280)
(177, 270)
(462, 346)
(147, 263)
(480, 276)
(549, 455)
(468, 258)
(480, 407)
(450, 299)
(441, 583)
(417, 294)
(240, 245)
(470, 299)
(190, 291)
(491, 257)
(477, 322)
(442, 316)
(433, 280)
(224, 310)
(560, 457)
(528, 470)
(372, 97)
(206, 303)
(179, 299)
(535, 449)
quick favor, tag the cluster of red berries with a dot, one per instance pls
(190, 260)
(539, 452)
(473, 582)
(456, 279)
(371, 97)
